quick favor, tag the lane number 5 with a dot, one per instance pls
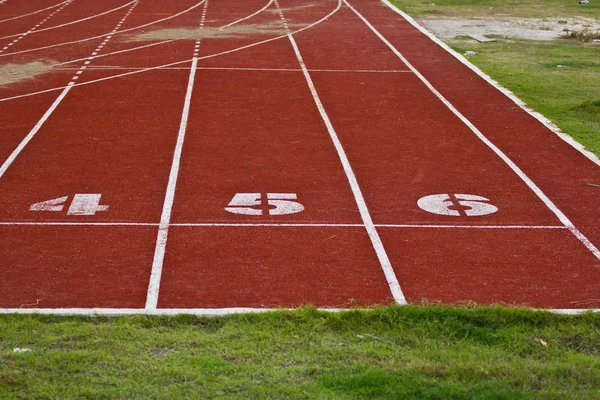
(255, 204)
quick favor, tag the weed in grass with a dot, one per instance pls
(584, 35)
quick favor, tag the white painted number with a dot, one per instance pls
(276, 204)
(457, 205)
(82, 204)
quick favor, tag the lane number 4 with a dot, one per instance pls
(82, 204)
(257, 204)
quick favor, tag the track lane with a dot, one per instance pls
(560, 170)
(242, 138)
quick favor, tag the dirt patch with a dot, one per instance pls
(235, 31)
(13, 73)
(543, 29)
(290, 9)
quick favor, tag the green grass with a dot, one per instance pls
(429, 352)
(567, 95)
(515, 8)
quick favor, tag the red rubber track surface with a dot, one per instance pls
(168, 154)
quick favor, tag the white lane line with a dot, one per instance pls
(106, 34)
(472, 226)
(360, 201)
(545, 121)
(216, 312)
(35, 129)
(24, 34)
(274, 225)
(32, 13)
(119, 68)
(50, 110)
(339, 4)
(59, 223)
(72, 22)
(165, 219)
(541, 195)
(249, 16)
(291, 225)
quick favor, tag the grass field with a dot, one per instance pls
(560, 79)
(414, 352)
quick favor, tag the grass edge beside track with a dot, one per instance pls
(559, 79)
(425, 351)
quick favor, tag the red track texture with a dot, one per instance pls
(348, 109)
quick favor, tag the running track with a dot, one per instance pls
(325, 152)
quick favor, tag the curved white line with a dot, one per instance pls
(180, 62)
(106, 34)
(34, 12)
(164, 41)
(70, 23)
(249, 16)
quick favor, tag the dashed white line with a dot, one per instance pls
(356, 191)
(24, 34)
(72, 22)
(165, 219)
(32, 13)
(541, 195)
(106, 34)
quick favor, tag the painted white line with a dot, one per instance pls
(274, 225)
(119, 68)
(168, 67)
(58, 223)
(49, 112)
(33, 13)
(72, 22)
(116, 312)
(362, 206)
(541, 195)
(277, 225)
(545, 121)
(249, 16)
(214, 312)
(32, 30)
(165, 219)
(35, 130)
(472, 226)
(179, 62)
(106, 34)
